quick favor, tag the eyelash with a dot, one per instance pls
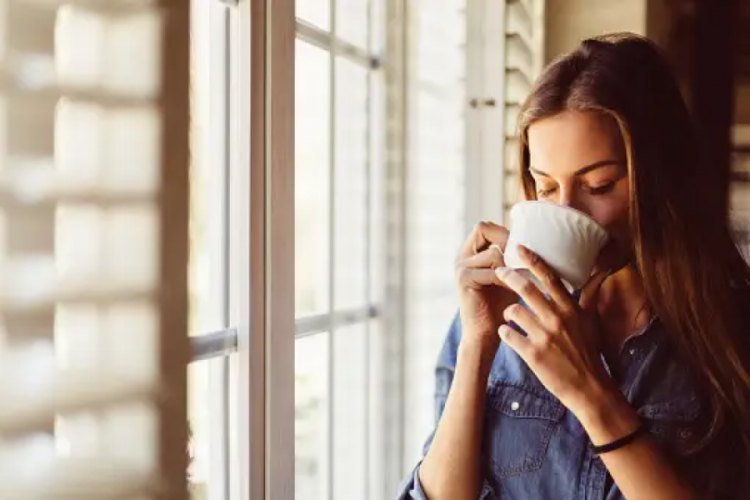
(601, 190)
(594, 191)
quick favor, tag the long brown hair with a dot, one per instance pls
(695, 277)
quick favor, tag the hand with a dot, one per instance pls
(562, 347)
(482, 295)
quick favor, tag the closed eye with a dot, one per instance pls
(601, 190)
(543, 193)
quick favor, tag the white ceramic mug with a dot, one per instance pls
(567, 239)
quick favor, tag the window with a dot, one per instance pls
(398, 111)
(338, 222)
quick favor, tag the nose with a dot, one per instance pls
(568, 197)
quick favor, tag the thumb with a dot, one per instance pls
(590, 292)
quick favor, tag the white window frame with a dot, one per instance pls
(261, 245)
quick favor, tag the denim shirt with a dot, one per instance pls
(533, 448)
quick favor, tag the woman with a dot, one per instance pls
(639, 389)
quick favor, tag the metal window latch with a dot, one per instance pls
(487, 102)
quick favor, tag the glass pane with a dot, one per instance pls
(350, 404)
(351, 21)
(441, 59)
(377, 27)
(208, 169)
(317, 12)
(351, 227)
(377, 190)
(312, 174)
(381, 379)
(311, 404)
(436, 189)
(206, 415)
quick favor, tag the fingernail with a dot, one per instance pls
(503, 330)
(523, 250)
(502, 272)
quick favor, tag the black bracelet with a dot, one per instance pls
(620, 443)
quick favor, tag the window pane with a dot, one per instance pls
(377, 190)
(317, 12)
(351, 229)
(350, 404)
(436, 188)
(312, 200)
(352, 21)
(311, 403)
(206, 422)
(208, 187)
(382, 379)
(377, 26)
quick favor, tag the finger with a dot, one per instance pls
(548, 278)
(491, 258)
(524, 319)
(590, 292)
(520, 344)
(475, 278)
(484, 235)
(530, 294)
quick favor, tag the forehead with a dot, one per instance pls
(571, 140)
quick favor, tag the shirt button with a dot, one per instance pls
(515, 406)
(632, 352)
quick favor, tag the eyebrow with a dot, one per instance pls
(582, 171)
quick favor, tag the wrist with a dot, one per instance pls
(479, 351)
(606, 416)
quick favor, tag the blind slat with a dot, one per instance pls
(34, 478)
(69, 393)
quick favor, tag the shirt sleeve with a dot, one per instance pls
(411, 488)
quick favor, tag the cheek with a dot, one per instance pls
(609, 214)
(612, 212)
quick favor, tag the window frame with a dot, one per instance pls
(256, 346)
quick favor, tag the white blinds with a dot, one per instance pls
(524, 21)
(93, 163)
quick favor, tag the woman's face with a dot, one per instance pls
(578, 160)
